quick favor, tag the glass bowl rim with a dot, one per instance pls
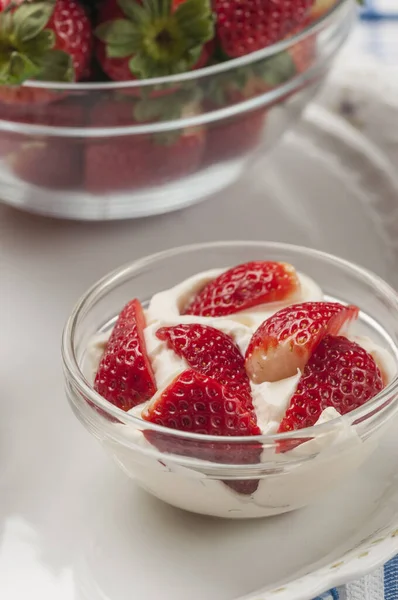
(75, 375)
(267, 52)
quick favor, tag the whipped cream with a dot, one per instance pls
(321, 461)
(270, 399)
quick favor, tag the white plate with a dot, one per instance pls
(72, 526)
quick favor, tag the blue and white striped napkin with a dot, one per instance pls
(380, 585)
(380, 10)
(378, 34)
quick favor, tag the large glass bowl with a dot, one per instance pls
(237, 477)
(118, 150)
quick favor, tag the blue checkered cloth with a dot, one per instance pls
(380, 10)
(378, 32)
(380, 585)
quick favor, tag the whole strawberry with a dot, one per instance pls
(153, 38)
(48, 40)
(244, 26)
(238, 135)
(126, 163)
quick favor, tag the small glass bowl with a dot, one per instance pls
(253, 476)
(128, 149)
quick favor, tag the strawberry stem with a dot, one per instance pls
(159, 38)
(27, 47)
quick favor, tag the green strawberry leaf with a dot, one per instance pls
(6, 25)
(38, 46)
(160, 41)
(276, 70)
(221, 88)
(56, 65)
(118, 32)
(17, 69)
(195, 20)
(166, 107)
(31, 19)
(136, 13)
(120, 37)
(27, 46)
(21, 67)
(141, 65)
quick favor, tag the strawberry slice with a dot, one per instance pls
(285, 341)
(125, 375)
(340, 374)
(210, 352)
(245, 286)
(198, 404)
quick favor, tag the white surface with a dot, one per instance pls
(72, 526)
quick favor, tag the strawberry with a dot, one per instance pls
(304, 53)
(49, 40)
(237, 136)
(125, 377)
(234, 137)
(199, 404)
(14, 97)
(52, 164)
(7, 3)
(125, 163)
(285, 341)
(244, 26)
(138, 39)
(73, 34)
(212, 353)
(320, 8)
(62, 111)
(245, 286)
(47, 161)
(339, 374)
(116, 165)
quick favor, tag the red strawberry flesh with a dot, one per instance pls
(339, 374)
(245, 286)
(198, 404)
(127, 163)
(73, 33)
(285, 341)
(210, 352)
(201, 405)
(234, 137)
(52, 40)
(125, 377)
(244, 26)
